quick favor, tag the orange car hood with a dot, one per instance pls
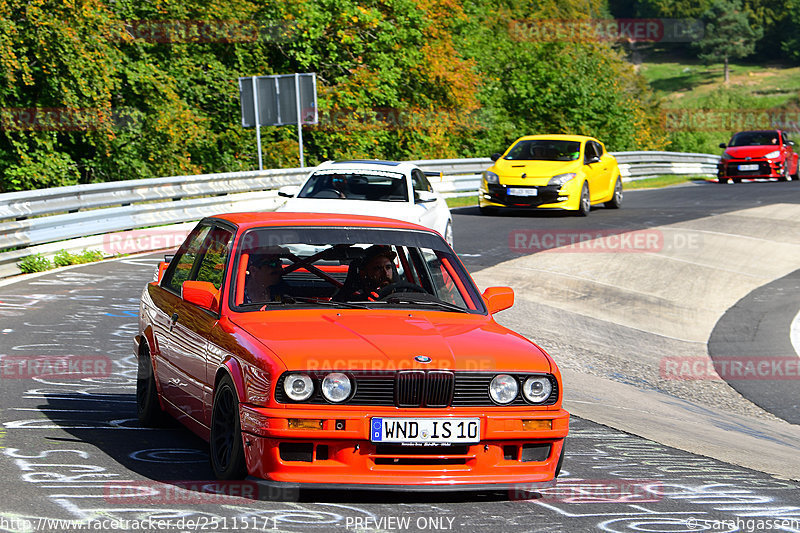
(390, 340)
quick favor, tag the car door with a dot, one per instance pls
(193, 326)
(592, 169)
(426, 205)
(791, 157)
(168, 301)
(607, 166)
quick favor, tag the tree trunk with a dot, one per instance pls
(726, 70)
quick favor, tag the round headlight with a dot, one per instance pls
(336, 387)
(298, 387)
(503, 388)
(537, 389)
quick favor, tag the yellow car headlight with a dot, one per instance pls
(561, 179)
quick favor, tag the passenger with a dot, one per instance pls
(264, 282)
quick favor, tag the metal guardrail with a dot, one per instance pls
(47, 220)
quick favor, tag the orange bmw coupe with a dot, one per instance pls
(331, 351)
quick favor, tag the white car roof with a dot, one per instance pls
(400, 167)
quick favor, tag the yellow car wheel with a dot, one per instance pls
(585, 204)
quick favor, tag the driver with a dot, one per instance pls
(375, 271)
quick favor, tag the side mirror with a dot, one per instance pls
(723, 145)
(422, 197)
(498, 298)
(790, 143)
(495, 156)
(201, 293)
(288, 191)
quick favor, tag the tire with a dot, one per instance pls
(616, 198)
(785, 175)
(225, 444)
(737, 180)
(585, 204)
(148, 409)
(796, 176)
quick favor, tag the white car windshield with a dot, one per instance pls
(356, 185)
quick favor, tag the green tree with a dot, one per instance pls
(728, 34)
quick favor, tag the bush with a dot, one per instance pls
(34, 263)
(65, 258)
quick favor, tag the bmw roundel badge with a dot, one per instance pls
(423, 359)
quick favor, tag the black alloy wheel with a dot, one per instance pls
(225, 444)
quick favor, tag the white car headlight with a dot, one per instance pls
(298, 387)
(503, 388)
(561, 179)
(336, 387)
(773, 154)
(491, 177)
(537, 389)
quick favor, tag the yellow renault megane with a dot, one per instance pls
(570, 172)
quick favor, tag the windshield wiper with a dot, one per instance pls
(329, 303)
(396, 299)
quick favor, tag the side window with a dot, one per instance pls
(590, 153)
(785, 138)
(215, 255)
(181, 267)
(421, 183)
(598, 148)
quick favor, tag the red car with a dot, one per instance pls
(758, 154)
(311, 381)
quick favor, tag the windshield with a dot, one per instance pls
(356, 185)
(544, 150)
(755, 138)
(276, 268)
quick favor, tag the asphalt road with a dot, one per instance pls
(72, 449)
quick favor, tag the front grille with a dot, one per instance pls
(764, 169)
(546, 194)
(418, 388)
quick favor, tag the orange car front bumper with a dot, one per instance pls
(517, 446)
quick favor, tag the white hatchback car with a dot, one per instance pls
(378, 188)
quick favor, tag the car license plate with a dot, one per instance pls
(748, 167)
(426, 430)
(512, 191)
